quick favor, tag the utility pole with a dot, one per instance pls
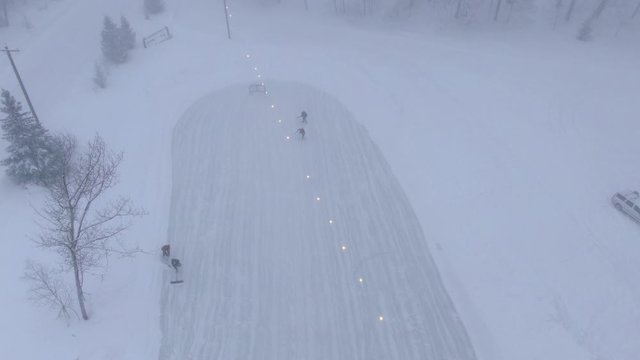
(24, 90)
(226, 17)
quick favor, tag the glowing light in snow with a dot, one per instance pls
(273, 106)
(288, 137)
(381, 318)
(330, 221)
(259, 76)
(255, 68)
(308, 176)
(266, 92)
(317, 198)
(247, 56)
(343, 247)
(279, 120)
(360, 280)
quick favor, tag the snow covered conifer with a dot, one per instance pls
(32, 152)
(100, 77)
(585, 32)
(112, 47)
(153, 6)
(127, 38)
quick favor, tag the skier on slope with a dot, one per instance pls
(301, 132)
(176, 264)
(303, 116)
(166, 250)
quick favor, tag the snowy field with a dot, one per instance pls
(508, 149)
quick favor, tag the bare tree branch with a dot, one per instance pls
(48, 290)
(81, 228)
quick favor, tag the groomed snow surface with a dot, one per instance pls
(296, 249)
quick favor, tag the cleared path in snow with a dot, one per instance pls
(296, 249)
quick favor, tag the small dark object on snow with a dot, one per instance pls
(301, 132)
(303, 116)
(257, 88)
(175, 263)
(166, 250)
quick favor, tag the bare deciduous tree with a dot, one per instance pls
(572, 5)
(497, 12)
(599, 9)
(460, 9)
(584, 33)
(48, 290)
(636, 11)
(559, 4)
(81, 226)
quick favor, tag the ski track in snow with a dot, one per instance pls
(265, 273)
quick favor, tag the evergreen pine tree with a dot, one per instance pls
(585, 32)
(127, 37)
(112, 47)
(100, 77)
(32, 152)
(153, 6)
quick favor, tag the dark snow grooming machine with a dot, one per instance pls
(176, 265)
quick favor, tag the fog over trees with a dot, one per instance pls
(583, 17)
(550, 12)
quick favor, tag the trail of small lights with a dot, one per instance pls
(343, 248)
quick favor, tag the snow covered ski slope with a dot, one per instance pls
(296, 249)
